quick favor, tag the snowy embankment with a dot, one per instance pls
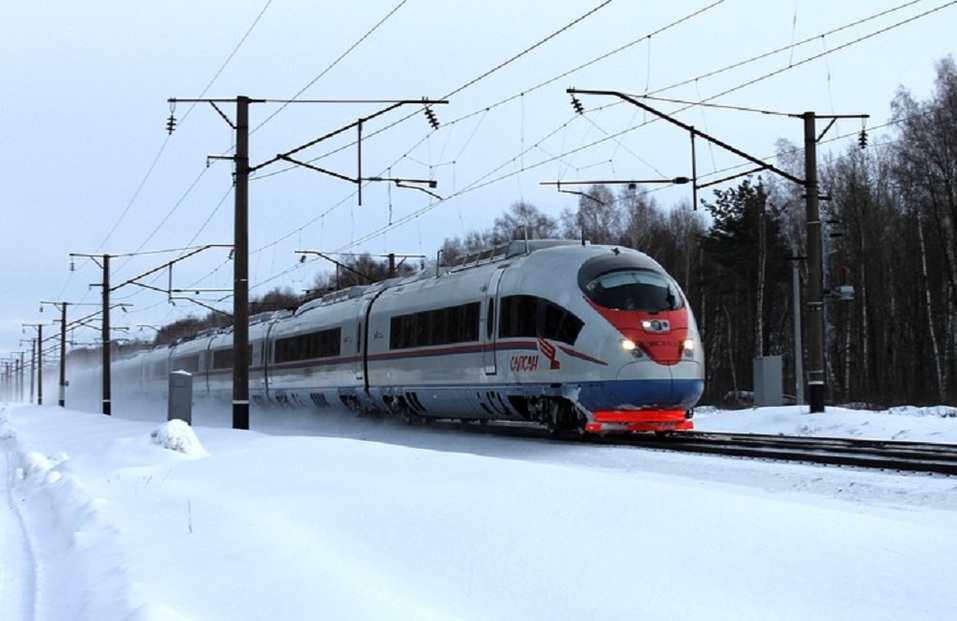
(930, 424)
(332, 517)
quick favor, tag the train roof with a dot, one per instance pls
(509, 250)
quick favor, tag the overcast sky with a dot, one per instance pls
(87, 165)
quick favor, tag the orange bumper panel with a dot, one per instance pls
(639, 420)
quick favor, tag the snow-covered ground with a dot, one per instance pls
(325, 516)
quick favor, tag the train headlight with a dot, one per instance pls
(656, 325)
(687, 348)
(629, 346)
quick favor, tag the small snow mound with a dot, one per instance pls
(177, 435)
(33, 463)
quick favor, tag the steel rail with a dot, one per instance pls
(862, 453)
(899, 455)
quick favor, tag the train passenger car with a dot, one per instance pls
(312, 356)
(568, 335)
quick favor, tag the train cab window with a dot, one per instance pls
(530, 316)
(634, 290)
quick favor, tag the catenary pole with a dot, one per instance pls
(815, 288)
(107, 399)
(39, 364)
(241, 350)
(241, 270)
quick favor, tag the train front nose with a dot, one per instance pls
(641, 385)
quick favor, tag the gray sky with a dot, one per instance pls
(87, 167)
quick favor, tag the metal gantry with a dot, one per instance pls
(241, 217)
(815, 290)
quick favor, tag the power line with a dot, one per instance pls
(831, 51)
(332, 65)
(768, 75)
(790, 46)
(502, 102)
(477, 185)
(527, 50)
(231, 54)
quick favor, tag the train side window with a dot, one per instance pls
(533, 317)
(189, 364)
(321, 344)
(442, 326)
(223, 359)
(490, 319)
(560, 324)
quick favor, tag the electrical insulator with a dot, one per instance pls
(171, 123)
(577, 105)
(862, 139)
(430, 115)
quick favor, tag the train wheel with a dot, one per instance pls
(564, 419)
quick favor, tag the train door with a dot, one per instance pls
(266, 355)
(490, 323)
(359, 337)
(206, 366)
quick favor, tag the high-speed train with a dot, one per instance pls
(568, 335)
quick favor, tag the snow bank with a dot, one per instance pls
(401, 522)
(929, 424)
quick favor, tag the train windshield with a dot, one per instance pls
(634, 290)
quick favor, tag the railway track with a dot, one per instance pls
(861, 453)
(874, 454)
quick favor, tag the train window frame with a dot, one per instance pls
(448, 325)
(315, 345)
(529, 316)
(223, 358)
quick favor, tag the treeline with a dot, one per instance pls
(890, 229)
(890, 214)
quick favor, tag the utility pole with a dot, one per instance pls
(241, 224)
(815, 293)
(61, 401)
(816, 381)
(241, 270)
(38, 360)
(105, 333)
(20, 380)
(107, 345)
(107, 288)
(815, 286)
(33, 363)
(62, 306)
